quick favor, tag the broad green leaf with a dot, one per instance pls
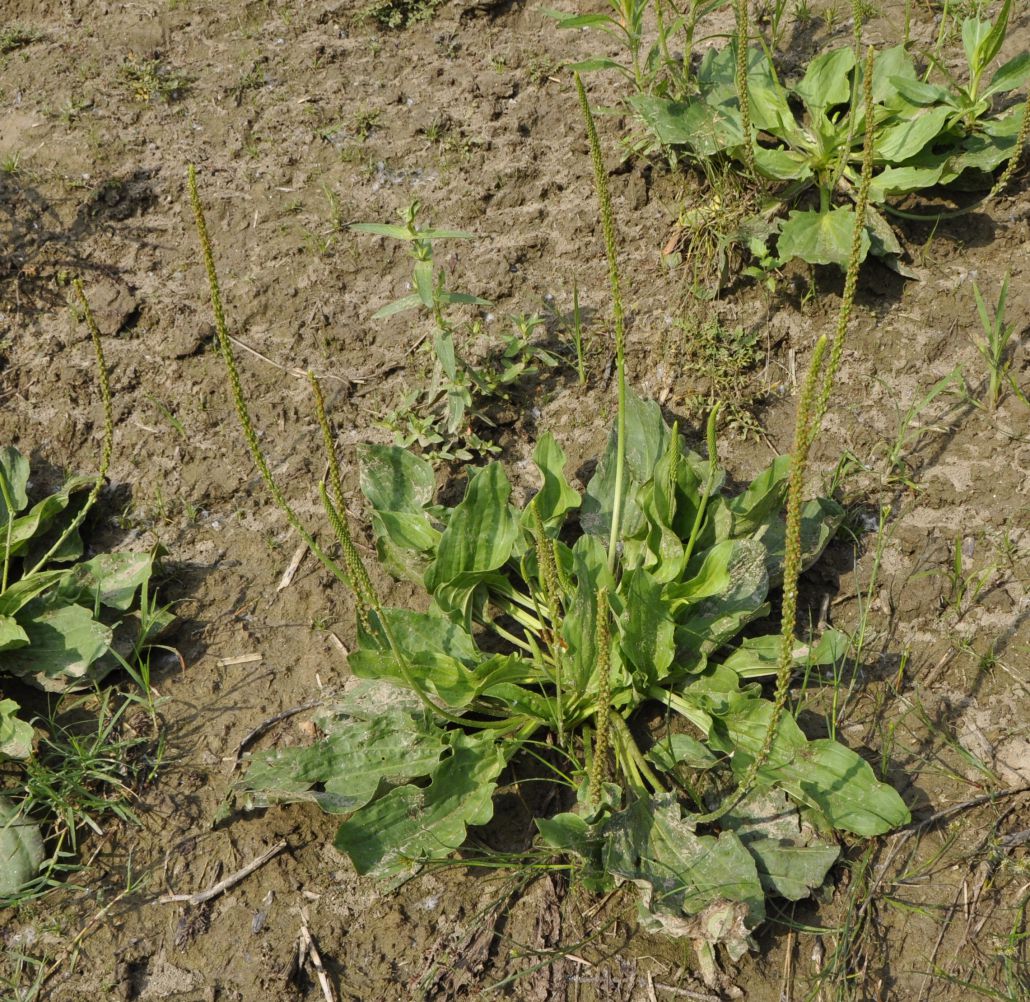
(759, 656)
(820, 237)
(15, 734)
(827, 80)
(703, 127)
(706, 577)
(908, 136)
(710, 623)
(792, 861)
(44, 513)
(113, 579)
(556, 497)
(14, 468)
(646, 625)
(902, 181)
(393, 835)
(889, 64)
(438, 656)
(920, 92)
(23, 591)
(820, 520)
(343, 770)
(646, 441)
(682, 875)
(579, 630)
(990, 146)
(567, 833)
(822, 773)
(21, 849)
(478, 539)
(394, 479)
(64, 641)
(781, 164)
(12, 635)
(745, 514)
(399, 485)
(1011, 75)
(681, 749)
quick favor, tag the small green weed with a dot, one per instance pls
(152, 80)
(443, 417)
(400, 14)
(721, 363)
(994, 346)
(14, 37)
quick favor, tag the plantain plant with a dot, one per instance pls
(803, 140)
(598, 634)
(61, 615)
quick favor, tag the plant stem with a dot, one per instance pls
(630, 746)
(577, 334)
(702, 504)
(608, 225)
(105, 453)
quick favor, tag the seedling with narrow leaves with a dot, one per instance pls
(994, 345)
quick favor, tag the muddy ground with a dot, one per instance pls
(302, 118)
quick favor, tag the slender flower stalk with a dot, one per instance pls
(743, 91)
(105, 449)
(599, 767)
(854, 259)
(608, 225)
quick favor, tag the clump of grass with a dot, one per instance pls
(16, 37)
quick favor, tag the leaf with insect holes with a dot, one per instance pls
(792, 861)
(760, 656)
(392, 836)
(683, 876)
(112, 579)
(704, 128)
(21, 849)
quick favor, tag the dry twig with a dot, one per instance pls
(223, 885)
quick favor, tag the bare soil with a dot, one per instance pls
(290, 109)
